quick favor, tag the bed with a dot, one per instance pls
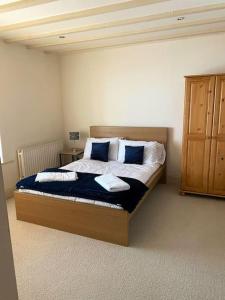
(99, 221)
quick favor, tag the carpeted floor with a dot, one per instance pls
(177, 251)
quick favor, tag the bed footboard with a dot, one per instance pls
(97, 222)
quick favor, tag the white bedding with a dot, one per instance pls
(139, 172)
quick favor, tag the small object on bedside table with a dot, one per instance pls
(74, 153)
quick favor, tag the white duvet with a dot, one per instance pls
(139, 172)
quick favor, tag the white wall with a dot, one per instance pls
(141, 85)
(30, 103)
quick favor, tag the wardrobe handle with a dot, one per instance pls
(222, 158)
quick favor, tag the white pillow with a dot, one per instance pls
(113, 147)
(154, 152)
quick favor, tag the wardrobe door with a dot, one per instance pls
(217, 159)
(198, 116)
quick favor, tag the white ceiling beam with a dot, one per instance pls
(132, 32)
(7, 7)
(116, 23)
(80, 14)
(142, 41)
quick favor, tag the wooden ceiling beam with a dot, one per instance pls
(133, 32)
(80, 14)
(116, 23)
(142, 41)
(21, 4)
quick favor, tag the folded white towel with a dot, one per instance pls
(112, 183)
(55, 176)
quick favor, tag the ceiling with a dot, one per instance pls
(77, 25)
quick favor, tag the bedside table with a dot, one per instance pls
(73, 153)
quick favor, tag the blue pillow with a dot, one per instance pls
(100, 151)
(134, 155)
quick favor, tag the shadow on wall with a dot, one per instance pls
(173, 157)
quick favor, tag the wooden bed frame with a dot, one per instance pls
(99, 222)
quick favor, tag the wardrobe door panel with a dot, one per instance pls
(196, 173)
(218, 184)
(197, 133)
(217, 159)
(198, 106)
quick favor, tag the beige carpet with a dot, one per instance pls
(177, 251)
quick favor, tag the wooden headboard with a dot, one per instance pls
(158, 134)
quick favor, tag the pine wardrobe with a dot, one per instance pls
(203, 161)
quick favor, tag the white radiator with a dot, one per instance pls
(36, 158)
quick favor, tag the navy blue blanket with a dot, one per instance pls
(86, 187)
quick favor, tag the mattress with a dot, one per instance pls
(140, 172)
